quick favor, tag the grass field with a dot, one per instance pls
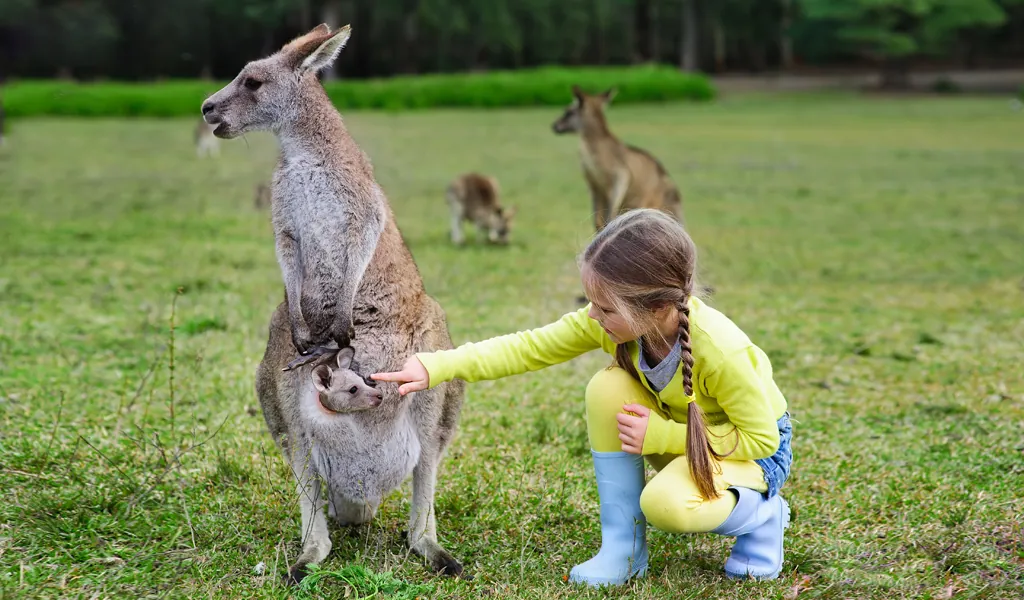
(873, 247)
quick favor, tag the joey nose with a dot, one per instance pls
(207, 107)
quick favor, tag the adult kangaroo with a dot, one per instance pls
(346, 270)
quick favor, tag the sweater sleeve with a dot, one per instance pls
(752, 431)
(572, 335)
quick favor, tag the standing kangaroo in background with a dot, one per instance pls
(620, 176)
(346, 269)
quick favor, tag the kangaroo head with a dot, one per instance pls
(501, 225)
(262, 96)
(583, 108)
(343, 390)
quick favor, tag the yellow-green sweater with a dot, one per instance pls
(732, 378)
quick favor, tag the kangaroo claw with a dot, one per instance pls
(314, 354)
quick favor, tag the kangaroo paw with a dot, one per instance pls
(317, 353)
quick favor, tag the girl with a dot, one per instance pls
(688, 391)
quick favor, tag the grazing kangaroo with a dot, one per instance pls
(205, 142)
(345, 266)
(474, 197)
(620, 176)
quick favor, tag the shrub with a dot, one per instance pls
(542, 86)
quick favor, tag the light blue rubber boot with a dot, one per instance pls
(758, 525)
(623, 554)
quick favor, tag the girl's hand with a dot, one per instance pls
(413, 376)
(632, 429)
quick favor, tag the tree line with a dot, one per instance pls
(144, 39)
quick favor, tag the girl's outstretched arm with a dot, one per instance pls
(572, 335)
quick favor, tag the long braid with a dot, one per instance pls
(699, 452)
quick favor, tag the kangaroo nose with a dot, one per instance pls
(208, 106)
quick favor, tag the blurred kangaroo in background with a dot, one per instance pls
(620, 176)
(261, 196)
(206, 143)
(346, 270)
(475, 198)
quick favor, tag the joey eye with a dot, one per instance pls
(252, 84)
(353, 390)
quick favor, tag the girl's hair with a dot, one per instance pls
(641, 261)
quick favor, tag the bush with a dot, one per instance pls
(528, 87)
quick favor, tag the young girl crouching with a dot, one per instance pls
(688, 391)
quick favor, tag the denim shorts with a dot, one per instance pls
(776, 467)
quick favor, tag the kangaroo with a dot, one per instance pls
(341, 389)
(261, 196)
(345, 266)
(205, 142)
(474, 197)
(328, 212)
(620, 176)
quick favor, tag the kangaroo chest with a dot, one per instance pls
(360, 459)
(593, 161)
(306, 193)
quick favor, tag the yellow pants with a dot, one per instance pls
(670, 500)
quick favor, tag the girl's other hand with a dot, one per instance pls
(632, 429)
(413, 376)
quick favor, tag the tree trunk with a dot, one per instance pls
(689, 56)
(895, 73)
(410, 35)
(330, 14)
(305, 16)
(654, 48)
(721, 51)
(785, 39)
(642, 31)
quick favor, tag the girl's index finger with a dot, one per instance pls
(390, 376)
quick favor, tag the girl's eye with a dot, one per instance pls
(353, 390)
(252, 84)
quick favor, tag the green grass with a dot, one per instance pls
(873, 247)
(545, 86)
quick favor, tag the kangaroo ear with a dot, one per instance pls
(322, 378)
(317, 49)
(609, 94)
(577, 92)
(345, 356)
(510, 212)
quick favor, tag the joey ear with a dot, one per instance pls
(510, 212)
(608, 94)
(577, 92)
(321, 378)
(345, 356)
(317, 52)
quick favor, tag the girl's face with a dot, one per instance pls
(664, 321)
(603, 311)
(614, 324)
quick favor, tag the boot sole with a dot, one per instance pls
(594, 582)
(774, 574)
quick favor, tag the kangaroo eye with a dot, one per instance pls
(353, 390)
(252, 84)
